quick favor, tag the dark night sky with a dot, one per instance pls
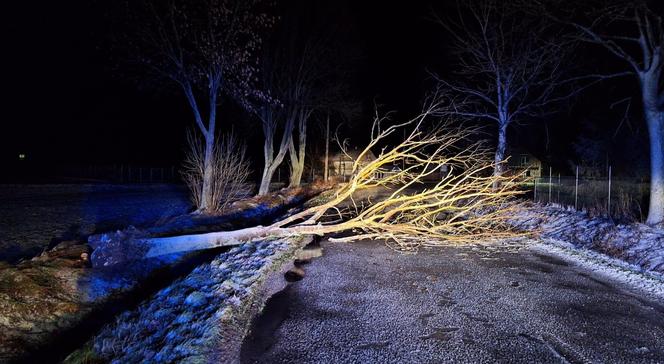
(65, 100)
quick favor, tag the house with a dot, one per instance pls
(521, 160)
(341, 163)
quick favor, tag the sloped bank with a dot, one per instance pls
(202, 317)
(637, 244)
(49, 306)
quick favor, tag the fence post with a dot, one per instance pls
(558, 187)
(608, 209)
(550, 182)
(535, 189)
(576, 190)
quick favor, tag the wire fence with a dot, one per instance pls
(119, 173)
(621, 199)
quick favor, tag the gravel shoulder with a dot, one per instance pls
(363, 302)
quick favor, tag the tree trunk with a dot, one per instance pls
(266, 179)
(208, 133)
(268, 157)
(327, 148)
(296, 165)
(499, 157)
(272, 163)
(655, 120)
(297, 155)
(206, 190)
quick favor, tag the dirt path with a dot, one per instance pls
(364, 303)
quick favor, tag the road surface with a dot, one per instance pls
(364, 303)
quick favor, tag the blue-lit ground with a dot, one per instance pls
(33, 217)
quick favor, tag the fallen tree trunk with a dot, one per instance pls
(469, 204)
(132, 244)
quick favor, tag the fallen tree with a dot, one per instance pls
(461, 206)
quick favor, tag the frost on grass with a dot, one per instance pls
(185, 321)
(637, 244)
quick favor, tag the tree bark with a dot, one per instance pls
(206, 190)
(208, 133)
(297, 155)
(655, 120)
(272, 162)
(499, 156)
(327, 148)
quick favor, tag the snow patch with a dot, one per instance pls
(649, 283)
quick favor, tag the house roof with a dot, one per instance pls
(351, 155)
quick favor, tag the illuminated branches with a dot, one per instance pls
(416, 206)
(408, 208)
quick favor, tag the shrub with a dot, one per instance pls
(230, 170)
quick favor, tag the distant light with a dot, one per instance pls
(21, 156)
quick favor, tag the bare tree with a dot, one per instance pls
(271, 115)
(208, 49)
(289, 74)
(642, 51)
(509, 66)
(304, 73)
(230, 171)
(462, 207)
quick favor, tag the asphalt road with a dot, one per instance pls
(364, 303)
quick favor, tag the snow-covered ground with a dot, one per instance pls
(650, 284)
(195, 318)
(34, 216)
(637, 244)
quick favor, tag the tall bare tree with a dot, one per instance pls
(632, 32)
(508, 66)
(289, 73)
(271, 115)
(207, 48)
(305, 71)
